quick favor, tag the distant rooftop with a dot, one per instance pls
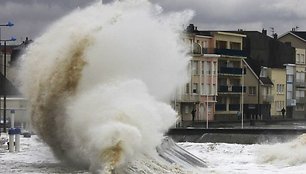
(301, 34)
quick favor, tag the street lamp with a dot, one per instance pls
(242, 91)
(4, 82)
(8, 24)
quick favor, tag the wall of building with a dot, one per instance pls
(228, 37)
(295, 42)
(278, 77)
(250, 82)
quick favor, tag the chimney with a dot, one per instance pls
(264, 32)
(275, 35)
(190, 28)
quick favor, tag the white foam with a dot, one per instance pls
(98, 79)
(290, 153)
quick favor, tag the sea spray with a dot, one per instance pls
(98, 81)
(289, 153)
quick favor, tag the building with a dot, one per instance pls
(278, 91)
(231, 75)
(201, 91)
(296, 84)
(220, 79)
(258, 98)
(265, 52)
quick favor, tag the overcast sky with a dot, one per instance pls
(31, 17)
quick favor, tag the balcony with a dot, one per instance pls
(238, 89)
(234, 107)
(232, 71)
(231, 89)
(227, 52)
(231, 52)
(220, 107)
(268, 98)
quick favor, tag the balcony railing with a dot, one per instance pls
(231, 70)
(220, 107)
(234, 107)
(236, 89)
(228, 52)
(231, 52)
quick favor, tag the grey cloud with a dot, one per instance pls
(31, 17)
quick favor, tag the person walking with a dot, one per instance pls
(193, 113)
(283, 112)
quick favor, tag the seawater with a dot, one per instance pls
(268, 158)
(99, 82)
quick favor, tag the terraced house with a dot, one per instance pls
(296, 83)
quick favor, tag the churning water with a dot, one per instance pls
(98, 81)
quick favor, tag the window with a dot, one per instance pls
(194, 88)
(187, 88)
(302, 59)
(221, 100)
(252, 90)
(202, 88)
(195, 69)
(289, 94)
(205, 44)
(263, 72)
(207, 67)
(289, 91)
(221, 44)
(215, 68)
(298, 58)
(299, 107)
(289, 87)
(299, 94)
(279, 105)
(300, 77)
(290, 78)
(235, 45)
(280, 88)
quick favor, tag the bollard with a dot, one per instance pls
(17, 139)
(11, 133)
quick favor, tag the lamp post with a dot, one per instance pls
(4, 82)
(242, 90)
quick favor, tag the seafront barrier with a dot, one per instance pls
(235, 135)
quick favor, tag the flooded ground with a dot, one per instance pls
(35, 157)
